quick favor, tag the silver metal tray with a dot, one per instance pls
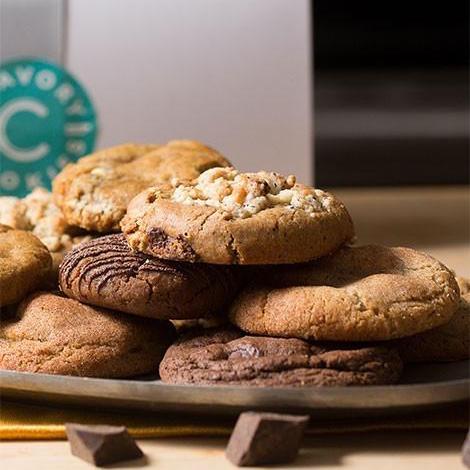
(423, 386)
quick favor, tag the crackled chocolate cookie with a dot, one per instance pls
(366, 293)
(224, 356)
(107, 273)
(94, 192)
(38, 214)
(446, 343)
(25, 263)
(52, 334)
(227, 217)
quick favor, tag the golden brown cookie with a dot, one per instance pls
(225, 356)
(464, 284)
(363, 293)
(37, 213)
(227, 217)
(25, 263)
(52, 334)
(107, 273)
(446, 343)
(94, 192)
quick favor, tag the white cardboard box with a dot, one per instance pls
(234, 74)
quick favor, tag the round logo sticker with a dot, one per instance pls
(46, 120)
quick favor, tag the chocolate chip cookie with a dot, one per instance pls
(367, 293)
(227, 217)
(25, 263)
(52, 334)
(94, 192)
(226, 357)
(107, 273)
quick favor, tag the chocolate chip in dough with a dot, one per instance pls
(265, 438)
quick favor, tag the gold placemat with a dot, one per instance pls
(25, 421)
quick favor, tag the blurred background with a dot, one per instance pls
(391, 92)
(234, 74)
(349, 95)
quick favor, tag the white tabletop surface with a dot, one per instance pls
(377, 451)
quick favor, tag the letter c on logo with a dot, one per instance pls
(11, 151)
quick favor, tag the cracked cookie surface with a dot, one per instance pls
(363, 293)
(52, 334)
(25, 263)
(225, 356)
(94, 192)
(446, 343)
(107, 273)
(227, 217)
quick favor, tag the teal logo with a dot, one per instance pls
(46, 121)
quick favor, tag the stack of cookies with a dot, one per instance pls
(85, 329)
(174, 234)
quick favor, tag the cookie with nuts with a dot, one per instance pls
(227, 217)
(38, 214)
(94, 192)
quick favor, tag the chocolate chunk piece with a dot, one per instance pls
(466, 451)
(101, 444)
(167, 246)
(265, 438)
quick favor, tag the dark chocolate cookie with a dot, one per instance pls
(107, 273)
(224, 356)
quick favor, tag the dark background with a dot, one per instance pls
(391, 92)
